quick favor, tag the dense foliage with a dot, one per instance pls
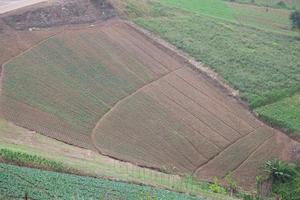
(295, 17)
(16, 182)
(285, 179)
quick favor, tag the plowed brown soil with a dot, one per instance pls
(169, 116)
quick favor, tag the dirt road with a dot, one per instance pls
(9, 5)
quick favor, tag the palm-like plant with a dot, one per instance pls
(279, 171)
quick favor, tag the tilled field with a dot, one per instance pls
(112, 89)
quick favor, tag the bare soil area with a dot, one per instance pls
(59, 12)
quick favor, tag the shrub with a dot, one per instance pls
(216, 187)
(279, 171)
(295, 18)
(232, 185)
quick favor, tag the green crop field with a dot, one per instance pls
(276, 20)
(214, 8)
(291, 4)
(262, 65)
(38, 184)
(285, 113)
(70, 81)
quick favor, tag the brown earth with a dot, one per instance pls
(178, 120)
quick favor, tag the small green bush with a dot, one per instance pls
(216, 187)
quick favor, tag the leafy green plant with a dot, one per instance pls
(279, 171)
(231, 184)
(290, 188)
(15, 181)
(216, 187)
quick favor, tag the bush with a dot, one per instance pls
(279, 171)
(216, 187)
(231, 184)
(295, 18)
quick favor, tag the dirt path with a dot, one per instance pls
(10, 5)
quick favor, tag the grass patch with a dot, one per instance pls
(24, 159)
(289, 4)
(215, 8)
(285, 113)
(276, 20)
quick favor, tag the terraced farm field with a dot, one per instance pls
(112, 89)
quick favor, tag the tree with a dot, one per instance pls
(295, 18)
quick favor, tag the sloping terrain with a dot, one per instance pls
(112, 89)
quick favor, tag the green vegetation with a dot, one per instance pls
(283, 113)
(275, 20)
(285, 179)
(290, 4)
(83, 162)
(214, 8)
(262, 65)
(24, 159)
(37, 184)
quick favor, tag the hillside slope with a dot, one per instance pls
(111, 89)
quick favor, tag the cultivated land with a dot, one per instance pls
(291, 4)
(112, 89)
(16, 182)
(262, 55)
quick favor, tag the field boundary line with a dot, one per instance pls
(217, 132)
(230, 145)
(253, 152)
(215, 100)
(32, 47)
(174, 51)
(217, 118)
(94, 133)
(141, 49)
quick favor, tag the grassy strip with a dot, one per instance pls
(24, 159)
